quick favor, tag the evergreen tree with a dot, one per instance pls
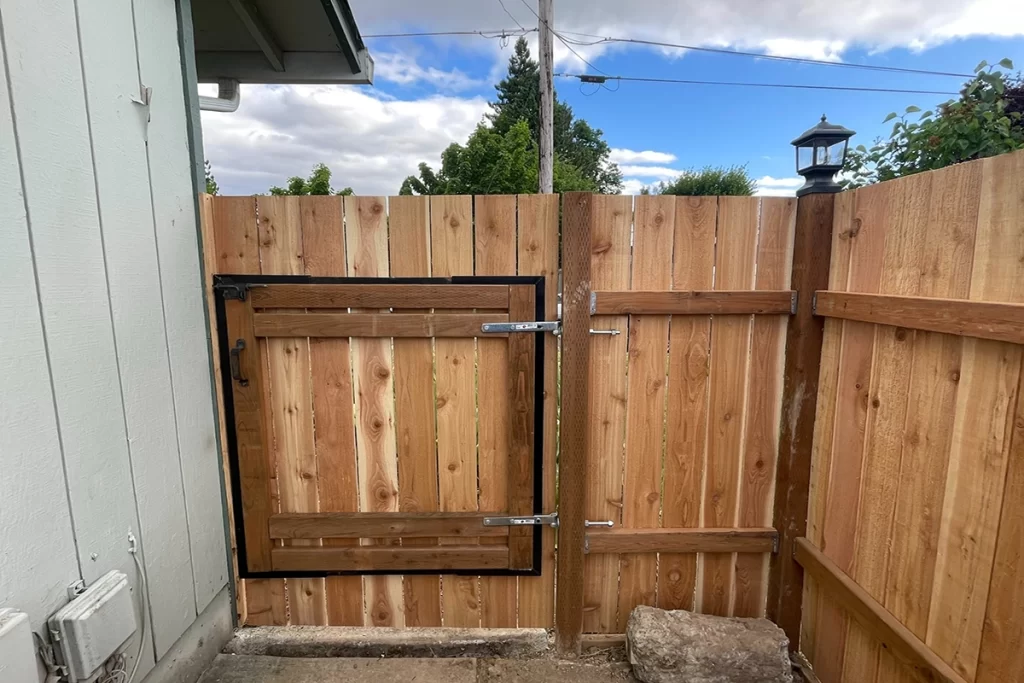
(581, 154)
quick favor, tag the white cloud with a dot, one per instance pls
(767, 186)
(628, 156)
(403, 69)
(802, 28)
(633, 186)
(649, 171)
(369, 142)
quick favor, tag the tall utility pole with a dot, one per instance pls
(547, 97)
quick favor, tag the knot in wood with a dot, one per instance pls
(954, 376)
(453, 222)
(381, 372)
(652, 497)
(452, 467)
(377, 207)
(901, 334)
(875, 402)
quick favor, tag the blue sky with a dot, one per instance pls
(431, 91)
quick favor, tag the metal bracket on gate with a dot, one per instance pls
(552, 326)
(532, 520)
(233, 291)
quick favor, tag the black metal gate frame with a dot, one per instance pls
(224, 283)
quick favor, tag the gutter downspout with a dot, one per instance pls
(227, 99)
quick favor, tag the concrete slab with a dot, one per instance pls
(340, 641)
(261, 669)
(553, 671)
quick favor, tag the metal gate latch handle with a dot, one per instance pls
(611, 332)
(236, 366)
(608, 523)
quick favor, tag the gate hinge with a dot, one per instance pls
(231, 290)
(552, 326)
(531, 520)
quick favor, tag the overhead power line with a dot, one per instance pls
(600, 80)
(499, 33)
(758, 55)
(558, 35)
(598, 40)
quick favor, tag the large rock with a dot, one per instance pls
(683, 647)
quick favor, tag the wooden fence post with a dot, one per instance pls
(811, 255)
(576, 247)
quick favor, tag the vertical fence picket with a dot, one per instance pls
(495, 246)
(537, 248)
(409, 234)
(653, 232)
(366, 231)
(323, 244)
(451, 238)
(610, 260)
(686, 428)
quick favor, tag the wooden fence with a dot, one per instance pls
(684, 408)
(374, 450)
(916, 522)
(694, 430)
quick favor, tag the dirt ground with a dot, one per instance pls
(598, 666)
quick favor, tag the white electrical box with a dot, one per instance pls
(17, 652)
(94, 625)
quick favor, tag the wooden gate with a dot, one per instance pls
(407, 436)
(685, 325)
(297, 313)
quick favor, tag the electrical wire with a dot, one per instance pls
(757, 55)
(559, 36)
(510, 15)
(590, 78)
(134, 550)
(499, 33)
(598, 40)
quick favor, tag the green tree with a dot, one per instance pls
(710, 180)
(211, 183)
(984, 121)
(318, 183)
(581, 154)
(492, 163)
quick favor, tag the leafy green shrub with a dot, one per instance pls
(985, 121)
(709, 181)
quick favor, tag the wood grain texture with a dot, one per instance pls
(997, 321)
(398, 296)
(948, 253)
(824, 427)
(323, 244)
(609, 258)
(291, 409)
(926, 665)
(373, 324)
(695, 302)
(236, 236)
(860, 235)
(451, 238)
(396, 559)
(522, 360)
(730, 349)
(495, 254)
(373, 378)
(686, 428)
(653, 233)
(538, 255)
(687, 541)
(574, 434)
(209, 250)
(764, 406)
(382, 524)
(983, 427)
(1001, 657)
(409, 226)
